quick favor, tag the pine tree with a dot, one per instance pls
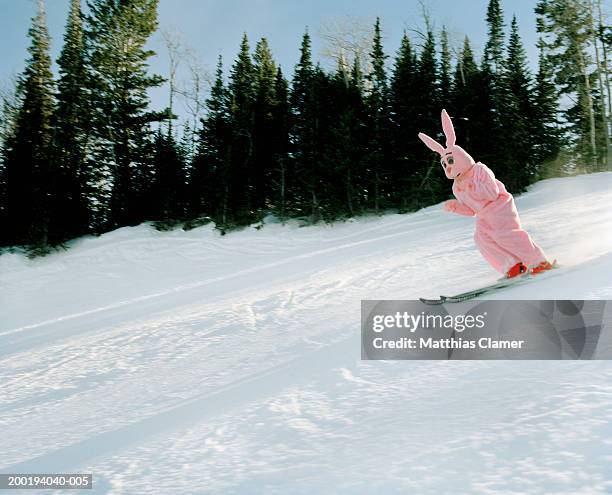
(168, 191)
(428, 109)
(602, 78)
(404, 100)
(546, 133)
(303, 134)
(344, 155)
(464, 89)
(211, 170)
(519, 115)
(282, 176)
(494, 48)
(377, 105)
(10, 103)
(116, 35)
(262, 168)
(326, 182)
(356, 186)
(471, 104)
(490, 89)
(428, 177)
(29, 177)
(242, 99)
(445, 69)
(70, 213)
(566, 30)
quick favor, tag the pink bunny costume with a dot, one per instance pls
(499, 235)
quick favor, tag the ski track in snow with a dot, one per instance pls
(187, 362)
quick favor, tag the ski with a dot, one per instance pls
(471, 294)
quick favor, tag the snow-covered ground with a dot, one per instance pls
(188, 362)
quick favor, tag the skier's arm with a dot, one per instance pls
(483, 185)
(459, 208)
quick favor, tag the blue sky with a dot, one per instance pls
(212, 27)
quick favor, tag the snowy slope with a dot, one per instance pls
(187, 362)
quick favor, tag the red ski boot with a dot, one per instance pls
(542, 267)
(516, 270)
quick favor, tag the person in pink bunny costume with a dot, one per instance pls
(499, 235)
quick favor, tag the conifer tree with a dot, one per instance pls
(566, 29)
(344, 154)
(471, 112)
(263, 126)
(445, 69)
(359, 137)
(494, 48)
(29, 177)
(326, 181)
(519, 115)
(464, 81)
(377, 104)
(490, 89)
(70, 212)
(282, 176)
(403, 101)
(168, 191)
(546, 132)
(211, 169)
(303, 134)
(242, 97)
(427, 83)
(428, 176)
(10, 102)
(116, 35)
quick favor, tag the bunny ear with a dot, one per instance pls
(432, 144)
(449, 130)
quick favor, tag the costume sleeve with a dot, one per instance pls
(459, 208)
(463, 209)
(484, 185)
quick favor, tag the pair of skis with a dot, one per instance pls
(487, 289)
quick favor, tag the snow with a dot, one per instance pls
(189, 362)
